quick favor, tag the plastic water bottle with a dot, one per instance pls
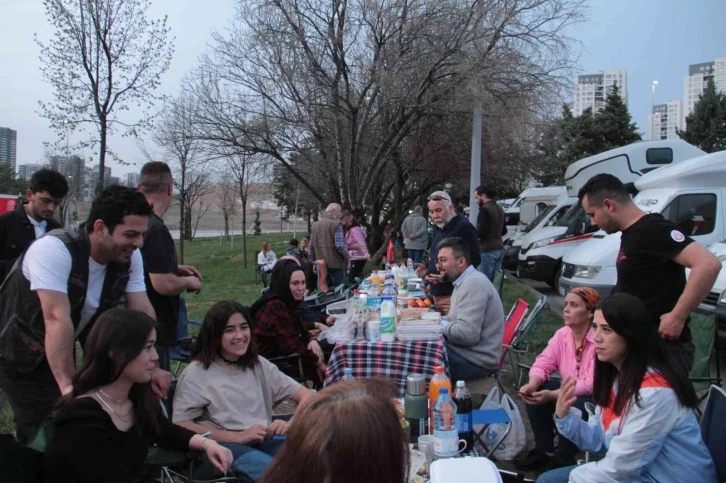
(388, 270)
(388, 320)
(374, 301)
(462, 398)
(446, 436)
(389, 290)
(348, 374)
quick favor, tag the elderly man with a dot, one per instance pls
(415, 235)
(448, 224)
(476, 318)
(327, 242)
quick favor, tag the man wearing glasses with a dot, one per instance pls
(476, 319)
(448, 225)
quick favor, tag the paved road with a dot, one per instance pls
(555, 300)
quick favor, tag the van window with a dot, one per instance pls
(659, 156)
(556, 217)
(694, 214)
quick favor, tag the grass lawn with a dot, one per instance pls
(225, 277)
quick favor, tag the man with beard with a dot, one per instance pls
(654, 254)
(29, 221)
(52, 297)
(476, 318)
(448, 224)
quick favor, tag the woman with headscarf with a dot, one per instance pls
(277, 325)
(571, 352)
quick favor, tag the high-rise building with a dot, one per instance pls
(8, 146)
(132, 180)
(26, 171)
(74, 169)
(665, 121)
(697, 80)
(591, 90)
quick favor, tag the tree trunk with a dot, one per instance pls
(181, 230)
(243, 198)
(226, 225)
(101, 155)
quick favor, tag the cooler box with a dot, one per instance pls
(464, 470)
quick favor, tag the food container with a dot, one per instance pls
(464, 470)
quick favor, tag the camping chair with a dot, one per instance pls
(511, 324)
(498, 281)
(519, 345)
(487, 417)
(704, 331)
(713, 427)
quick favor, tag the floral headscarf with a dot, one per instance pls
(589, 295)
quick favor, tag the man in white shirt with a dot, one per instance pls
(53, 297)
(18, 228)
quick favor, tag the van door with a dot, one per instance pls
(697, 215)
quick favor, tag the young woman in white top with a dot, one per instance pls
(229, 391)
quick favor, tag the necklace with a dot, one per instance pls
(236, 363)
(123, 417)
(109, 397)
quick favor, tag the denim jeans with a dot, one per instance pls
(416, 256)
(249, 460)
(543, 426)
(336, 276)
(462, 369)
(560, 475)
(491, 261)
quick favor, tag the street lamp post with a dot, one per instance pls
(652, 113)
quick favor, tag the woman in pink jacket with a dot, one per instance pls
(571, 352)
(355, 239)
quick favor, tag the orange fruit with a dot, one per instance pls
(412, 304)
(420, 303)
(427, 302)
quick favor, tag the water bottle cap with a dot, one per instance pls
(439, 369)
(460, 384)
(347, 370)
(443, 390)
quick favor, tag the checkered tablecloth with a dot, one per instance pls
(392, 359)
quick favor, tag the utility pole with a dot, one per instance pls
(475, 161)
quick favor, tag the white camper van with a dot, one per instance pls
(691, 194)
(542, 251)
(715, 302)
(547, 217)
(529, 204)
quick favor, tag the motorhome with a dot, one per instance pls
(529, 204)
(715, 302)
(547, 217)
(542, 250)
(691, 194)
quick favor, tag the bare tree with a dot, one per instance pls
(104, 58)
(177, 138)
(350, 96)
(226, 200)
(197, 200)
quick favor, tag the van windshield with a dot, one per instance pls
(574, 217)
(542, 215)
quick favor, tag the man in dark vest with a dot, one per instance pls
(54, 293)
(327, 242)
(489, 228)
(31, 220)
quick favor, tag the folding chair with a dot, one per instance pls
(487, 417)
(520, 345)
(704, 331)
(511, 324)
(713, 427)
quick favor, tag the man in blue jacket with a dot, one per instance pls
(448, 225)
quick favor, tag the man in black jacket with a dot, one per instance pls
(448, 225)
(32, 220)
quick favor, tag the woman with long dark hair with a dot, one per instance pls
(355, 239)
(348, 432)
(103, 428)
(277, 325)
(644, 418)
(229, 391)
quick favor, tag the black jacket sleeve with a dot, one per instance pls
(482, 222)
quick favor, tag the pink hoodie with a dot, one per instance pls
(559, 355)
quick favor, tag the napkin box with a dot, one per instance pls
(464, 470)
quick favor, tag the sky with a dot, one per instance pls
(651, 39)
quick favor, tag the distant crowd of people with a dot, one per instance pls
(113, 284)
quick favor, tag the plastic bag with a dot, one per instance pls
(516, 440)
(342, 331)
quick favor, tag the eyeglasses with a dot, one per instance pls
(441, 261)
